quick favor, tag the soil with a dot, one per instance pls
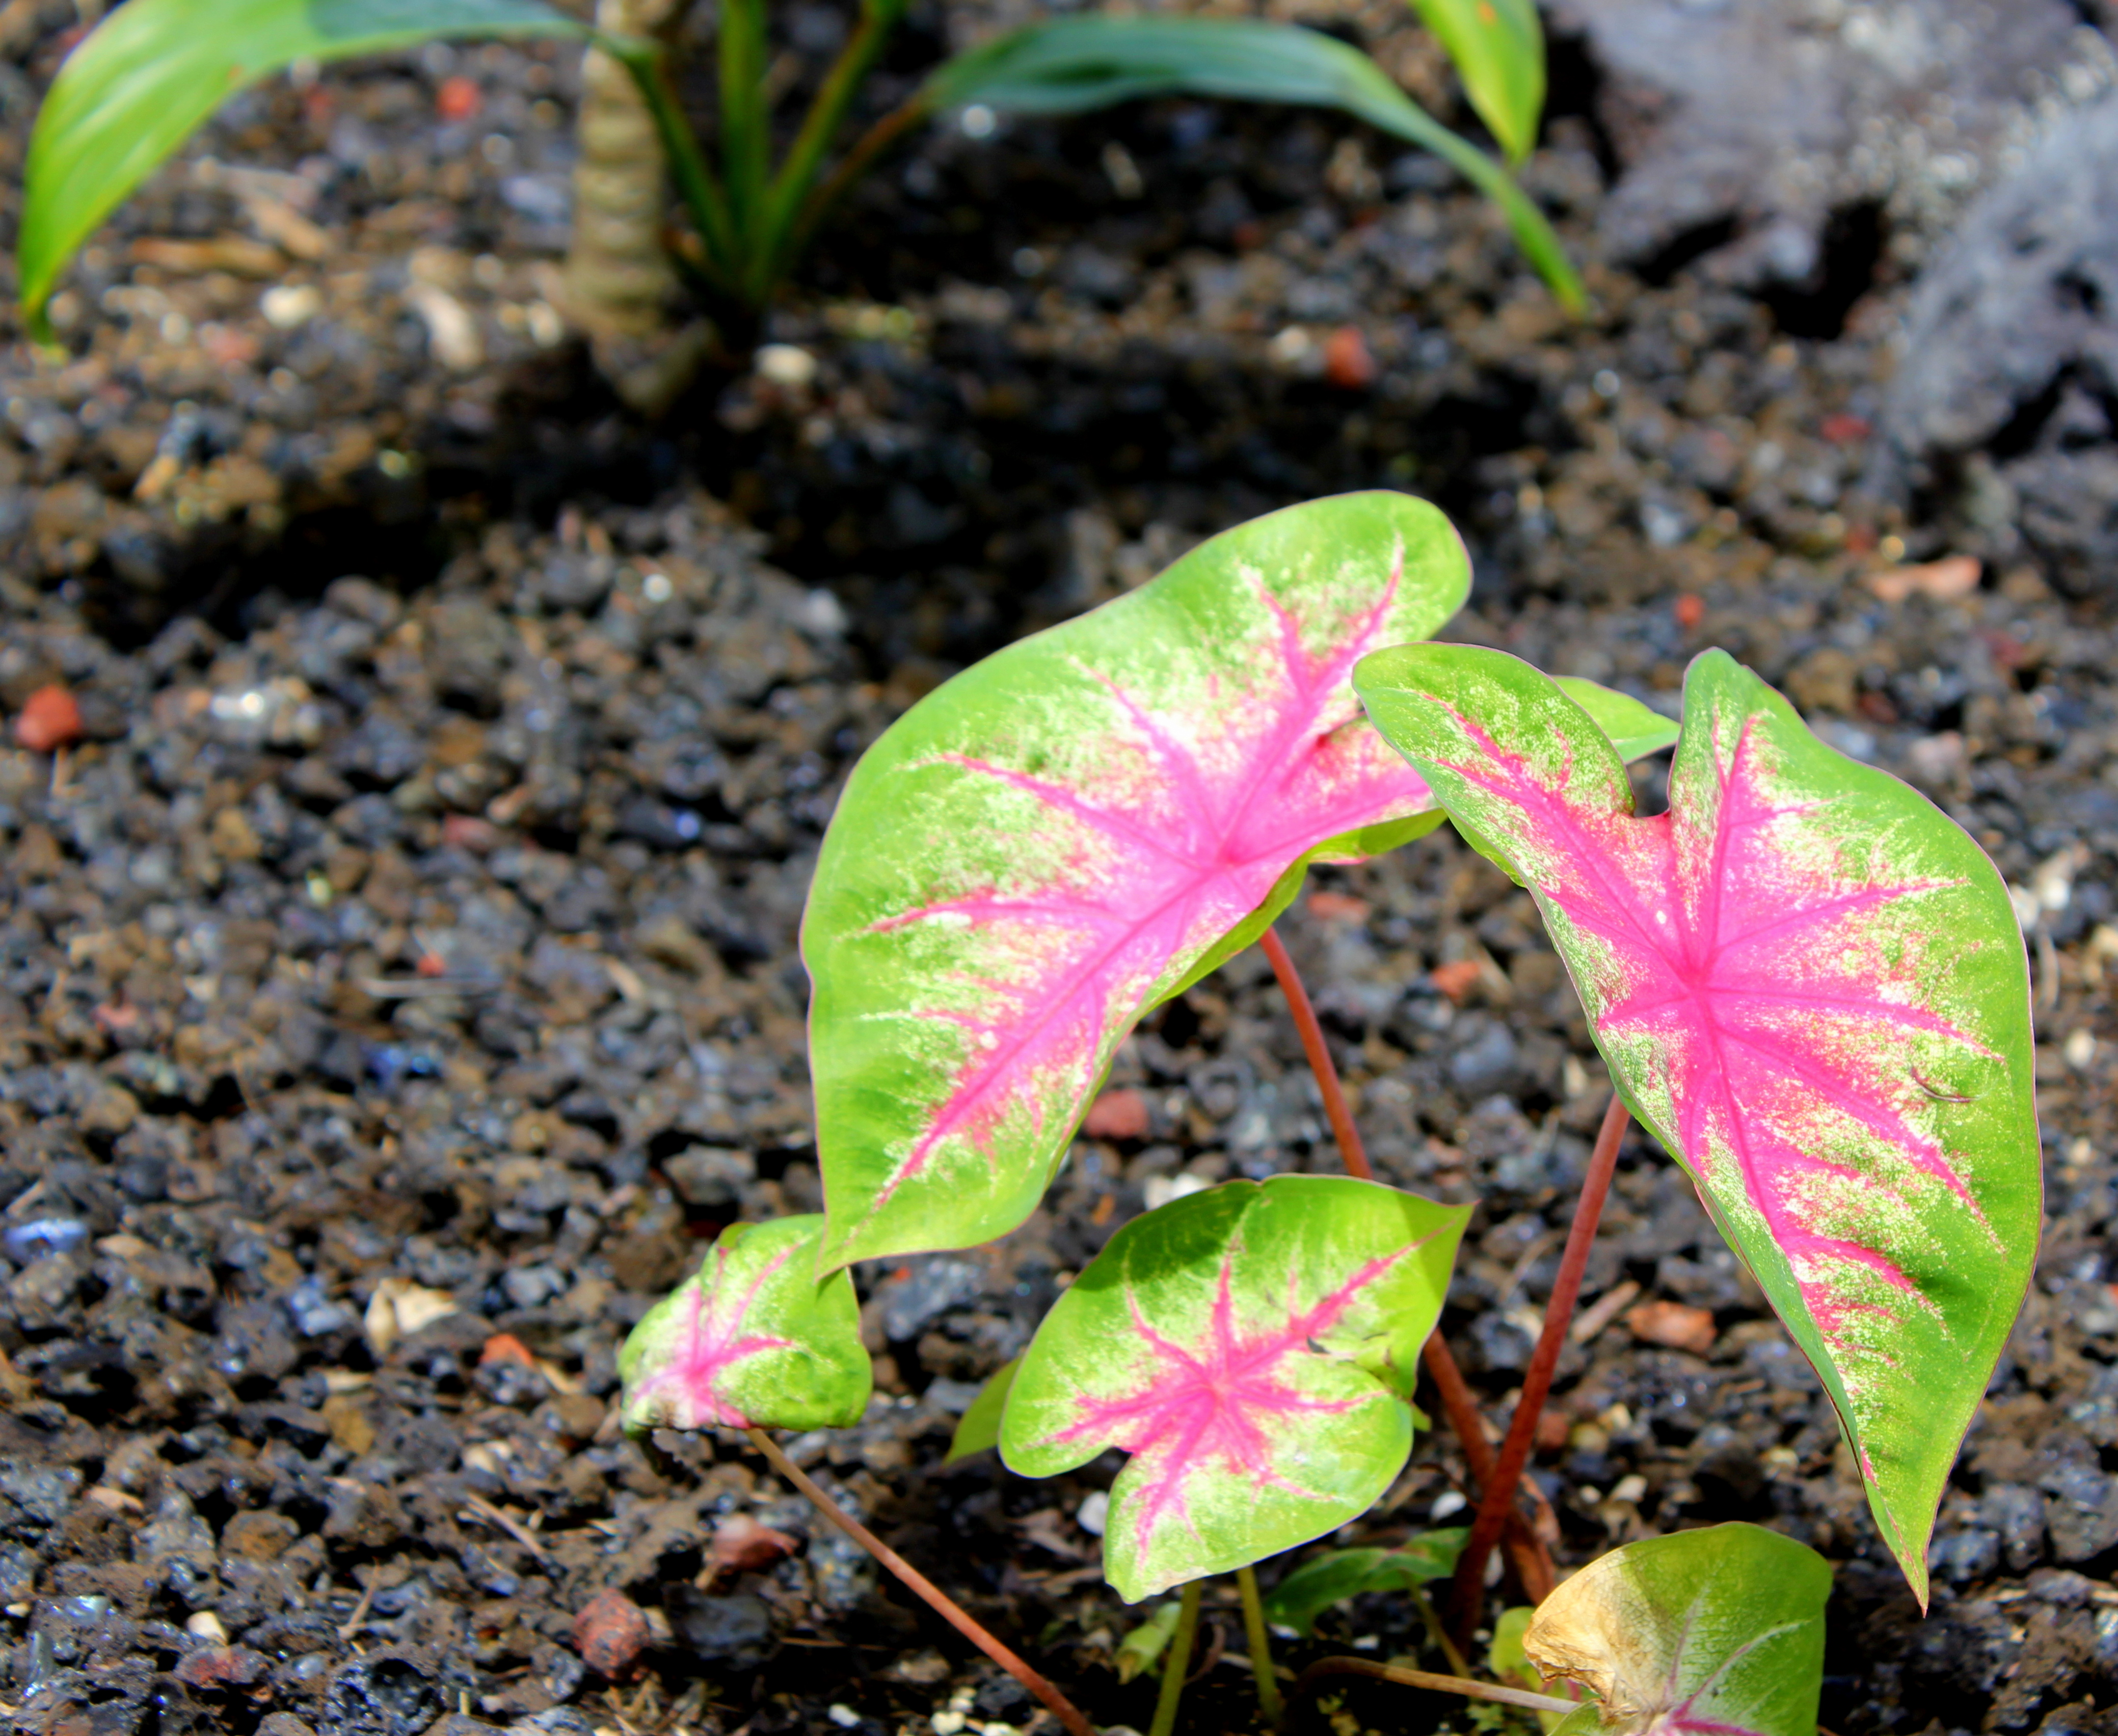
(398, 982)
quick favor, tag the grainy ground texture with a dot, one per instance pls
(398, 981)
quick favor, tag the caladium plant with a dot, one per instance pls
(1253, 1349)
(1714, 1633)
(1809, 985)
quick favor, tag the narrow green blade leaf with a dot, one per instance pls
(1498, 47)
(979, 1427)
(152, 72)
(1333, 1577)
(1713, 1632)
(1066, 65)
(1249, 1347)
(752, 1341)
(1059, 839)
(1810, 986)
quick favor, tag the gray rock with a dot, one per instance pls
(2010, 355)
(927, 1289)
(1771, 116)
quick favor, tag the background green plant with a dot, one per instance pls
(155, 69)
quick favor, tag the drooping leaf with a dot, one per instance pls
(1066, 65)
(1250, 1348)
(1339, 1574)
(1139, 1650)
(1075, 829)
(1712, 1632)
(1498, 48)
(979, 1427)
(1810, 986)
(752, 1340)
(152, 72)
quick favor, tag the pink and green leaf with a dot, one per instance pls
(1714, 1633)
(1810, 986)
(753, 1339)
(1251, 1349)
(1065, 834)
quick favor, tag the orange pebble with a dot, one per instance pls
(505, 1347)
(459, 99)
(1456, 979)
(49, 719)
(1348, 364)
(1119, 1114)
(1690, 610)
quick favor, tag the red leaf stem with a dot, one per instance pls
(1531, 1562)
(947, 1607)
(1350, 1148)
(1499, 1500)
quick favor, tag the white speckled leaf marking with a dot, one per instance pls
(1713, 1632)
(1249, 1347)
(752, 1340)
(1809, 985)
(1071, 831)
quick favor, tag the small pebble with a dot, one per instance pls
(49, 720)
(610, 1634)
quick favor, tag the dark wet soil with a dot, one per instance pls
(397, 984)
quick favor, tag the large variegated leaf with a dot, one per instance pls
(1252, 1348)
(752, 1341)
(1713, 1632)
(1072, 830)
(1809, 985)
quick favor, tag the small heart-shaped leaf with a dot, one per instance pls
(1251, 1347)
(752, 1341)
(1810, 986)
(1339, 1574)
(1713, 1632)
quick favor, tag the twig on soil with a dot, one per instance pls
(1531, 1562)
(351, 1625)
(1260, 1645)
(947, 1607)
(508, 1523)
(1462, 1685)
(1499, 1499)
(1175, 1668)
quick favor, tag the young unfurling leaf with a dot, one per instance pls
(1251, 1349)
(979, 1427)
(1809, 985)
(751, 1341)
(1712, 1632)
